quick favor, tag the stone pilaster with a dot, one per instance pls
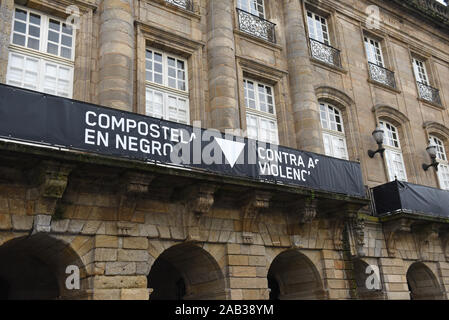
(304, 101)
(116, 54)
(222, 66)
(247, 272)
(393, 273)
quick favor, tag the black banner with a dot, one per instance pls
(400, 195)
(44, 119)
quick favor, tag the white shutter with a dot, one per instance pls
(395, 164)
(154, 103)
(335, 146)
(327, 139)
(23, 71)
(38, 74)
(339, 146)
(443, 176)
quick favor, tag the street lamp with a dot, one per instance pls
(432, 151)
(378, 136)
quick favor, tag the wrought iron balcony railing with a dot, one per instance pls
(325, 53)
(382, 75)
(185, 4)
(429, 93)
(256, 26)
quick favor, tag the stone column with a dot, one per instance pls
(305, 103)
(6, 14)
(222, 66)
(116, 56)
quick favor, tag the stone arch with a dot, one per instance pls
(346, 105)
(293, 276)
(435, 128)
(360, 277)
(34, 267)
(422, 283)
(185, 272)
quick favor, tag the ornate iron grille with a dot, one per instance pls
(382, 75)
(256, 26)
(185, 4)
(325, 53)
(429, 93)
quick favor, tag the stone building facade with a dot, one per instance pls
(315, 75)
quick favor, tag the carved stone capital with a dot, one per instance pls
(49, 180)
(132, 186)
(444, 236)
(424, 233)
(251, 206)
(200, 198)
(305, 210)
(391, 229)
(357, 235)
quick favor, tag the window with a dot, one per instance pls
(420, 71)
(333, 131)
(41, 55)
(443, 167)
(255, 7)
(167, 94)
(374, 51)
(393, 152)
(318, 28)
(260, 112)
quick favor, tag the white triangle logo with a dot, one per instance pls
(231, 150)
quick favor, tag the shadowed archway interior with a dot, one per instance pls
(422, 283)
(33, 268)
(292, 276)
(361, 276)
(186, 272)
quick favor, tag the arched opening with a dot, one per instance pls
(186, 272)
(292, 276)
(33, 268)
(422, 283)
(361, 274)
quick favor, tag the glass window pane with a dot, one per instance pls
(20, 27)
(66, 53)
(66, 40)
(21, 15)
(53, 36)
(67, 29)
(18, 39)
(33, 43)
(54, 25)
(52, 48)
(35, 19)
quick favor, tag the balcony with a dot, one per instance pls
(429, 93)
(256, 26)
(325, 53)
(185, 4)
(400, 197)
(382, 75)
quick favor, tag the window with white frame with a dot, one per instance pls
(255, 7)
(419, 68)
(443, 167)
(318, 28)
(374, 51)
(167, 94)
(260, 112)
(333, 131)
(41, 53)
(393, 152)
